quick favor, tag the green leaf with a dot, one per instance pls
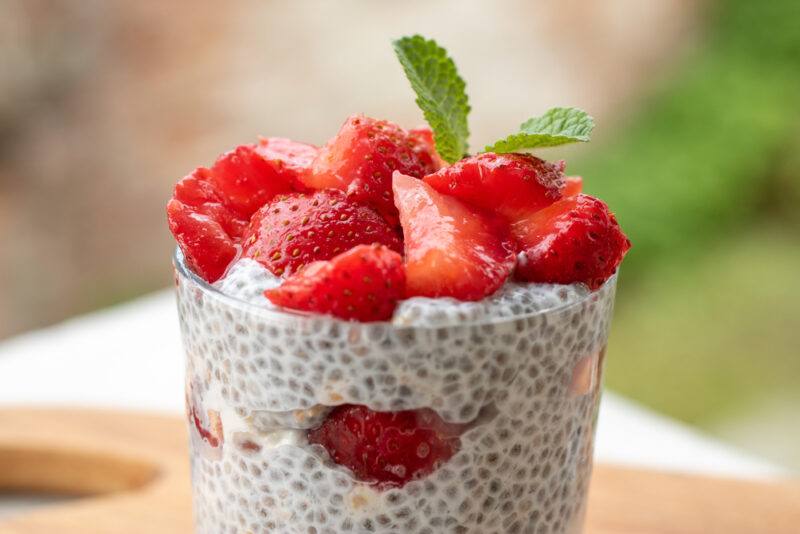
(558, 126)
(440, 93)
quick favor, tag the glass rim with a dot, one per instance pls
(184, 271)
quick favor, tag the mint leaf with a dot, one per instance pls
(558, 126)
(440, 93)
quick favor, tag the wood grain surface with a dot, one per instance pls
(132, 473)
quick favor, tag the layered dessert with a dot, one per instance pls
(386, 334)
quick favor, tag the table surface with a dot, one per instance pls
(130, 357)
(97, 452)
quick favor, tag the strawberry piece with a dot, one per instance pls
(210, 208)
(425, 147)
(387, 448)
(363, 283)
(573, 185)
(361, 158)
(294, 230)
(289, 158)
(451, 249)
(211, 433)
(247, 180)
(511, 185)
(205, 425)
(574, 240)
(206, 246)
(199, 192)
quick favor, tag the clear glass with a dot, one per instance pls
(258, 379)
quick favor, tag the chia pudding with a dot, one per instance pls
(388, 335)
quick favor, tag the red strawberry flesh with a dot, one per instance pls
(247, 180)
(290, 158)
(511, 185)
(210, 208)
(574, 240)
(207, 248)
(362, 284)
(387, 448)
(199, 192)
(424, 145)
(361, 158)
(573, 185)
(211, 433)
(452, 250)
(295, 230)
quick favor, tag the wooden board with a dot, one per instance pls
(133, 472)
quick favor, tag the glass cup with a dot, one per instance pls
(525, 385)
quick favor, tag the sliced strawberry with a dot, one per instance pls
(425, 147)
(210, 208)
(247, 181)
(294, 230)
(199, 192)
(387, 448)
(205, 425)
(361, 158)
(511, 185)
(452, 250)
(289, 158)
(206, 246)
(363, 283)
(573, 185)
(575, 240)
(210, 432)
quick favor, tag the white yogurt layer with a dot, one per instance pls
(247, 280)
(236, 428)
(511, 300)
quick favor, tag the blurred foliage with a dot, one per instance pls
(704, 176)
(700, 156)
(709, 342)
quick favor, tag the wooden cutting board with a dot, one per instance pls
(133, 472)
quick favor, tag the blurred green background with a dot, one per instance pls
(705, 176)
(105, 104)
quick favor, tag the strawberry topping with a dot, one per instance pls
(289, 158)
(207, 248)
(363, 284)
(511, 185)
(574, 240)
(248, 180)
(573, 185)
(425, 147)
(295, 230)
(452, 250)
(361, 158)
(199, 192)
(387, 448)
(210, 208)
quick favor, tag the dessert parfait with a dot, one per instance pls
(386, 334)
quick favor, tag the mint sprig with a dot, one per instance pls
(558, 126)
(442, 97)
(440, 93)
